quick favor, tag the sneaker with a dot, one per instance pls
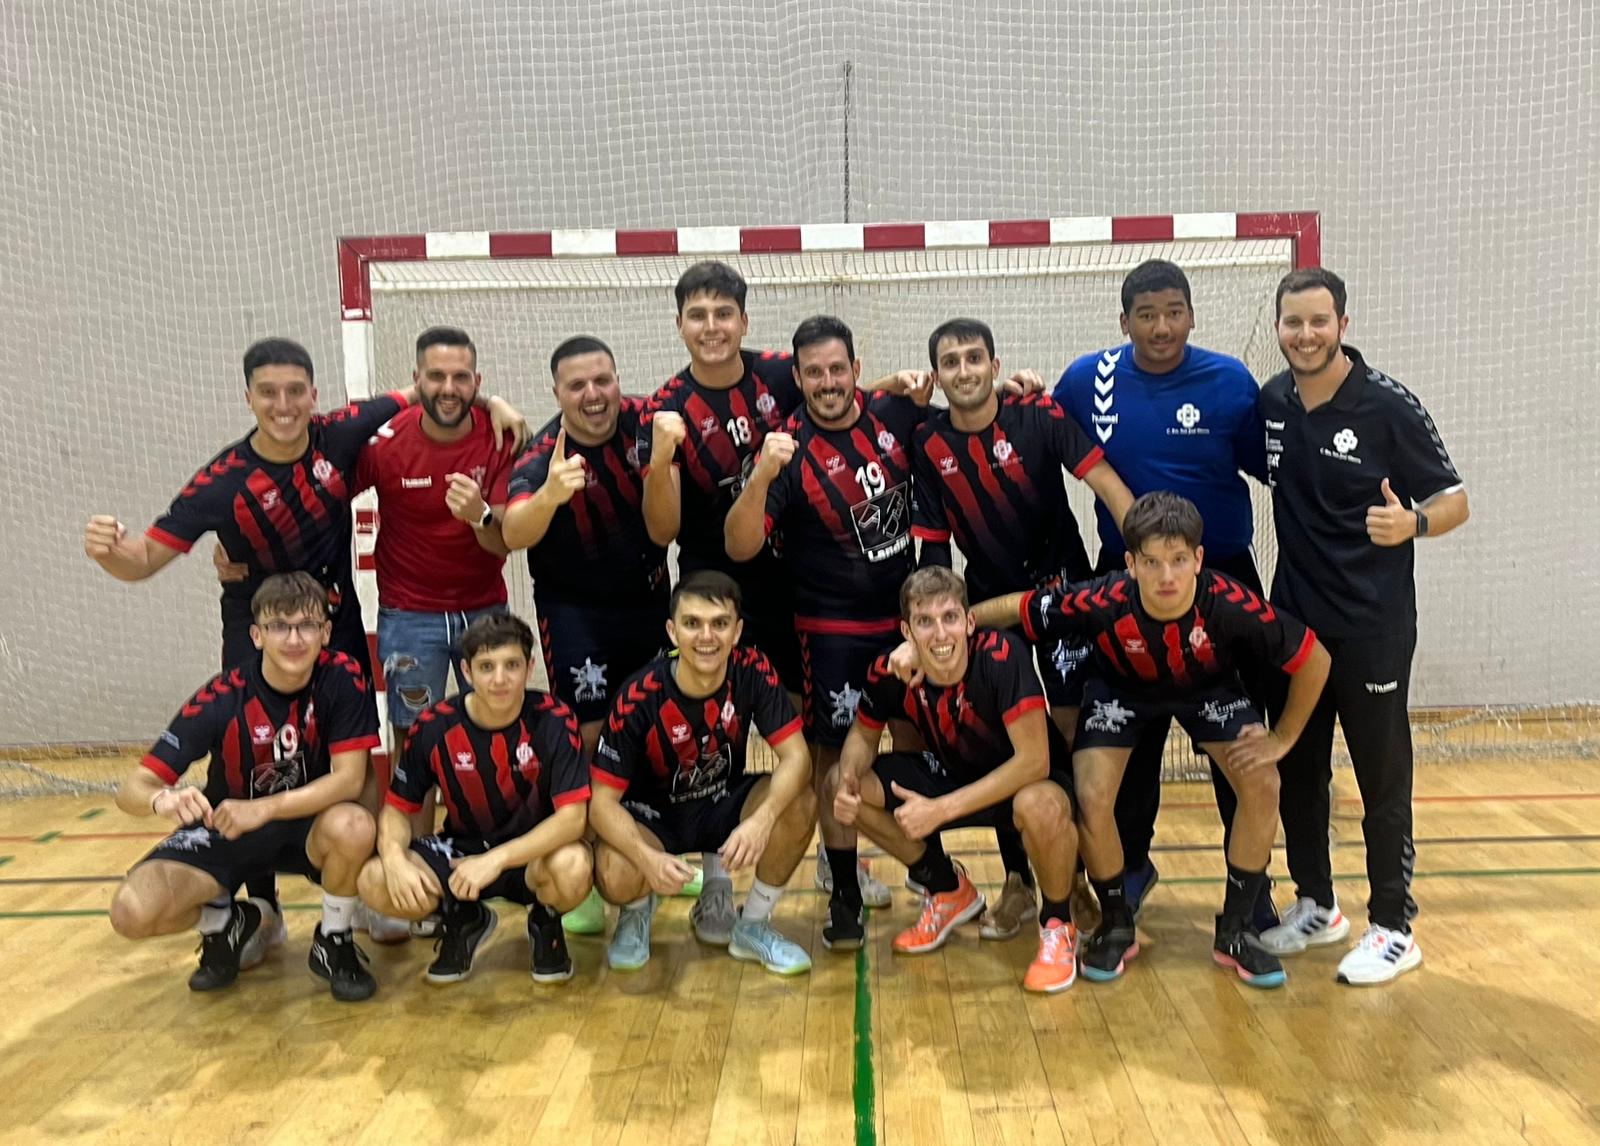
(1139, 884)
(942, 913)
(588, 918)
(1306, 925)
(1107, 952)
(547, 944)
(712, 915)
(385, 929)
(1264, 916)
(874, 892)
(1084, 906)
(757, 941)
(220, 951)
(846, 929)
(1055, 967)
(273, 932)
(695, 886)
(337, 959)
(1018, 903)
(1381, 955)
(459, 941)
(425, 928)
(629, 948)
(1239, 948)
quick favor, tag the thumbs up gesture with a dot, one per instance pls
(1391, 523)
(566, 475)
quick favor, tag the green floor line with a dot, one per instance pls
(47, 837)
(4, 860)
(863, 1091)
(1443, 873)
(92, 813)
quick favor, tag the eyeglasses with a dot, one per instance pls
(305, 630)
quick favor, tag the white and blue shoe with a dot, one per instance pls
(1380, 956)
(757, 941)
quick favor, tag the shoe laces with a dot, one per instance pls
(716, 899)
(632, 924)
(1376, 938)
(1056, 943)
(1306, 916)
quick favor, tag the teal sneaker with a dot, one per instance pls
(712, 915)
(629, 948)
(757, 941)
(692, 889)
(588, 918)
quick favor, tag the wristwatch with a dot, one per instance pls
(1422, 523)
(487, 519)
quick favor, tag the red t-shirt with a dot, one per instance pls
(428, 562)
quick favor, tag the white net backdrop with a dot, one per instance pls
(176, 176)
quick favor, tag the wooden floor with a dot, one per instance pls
(1495, 1040)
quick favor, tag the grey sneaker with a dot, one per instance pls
(712, 914)
(874, 892)
(629, 948)
(757, 941)
(272, 933)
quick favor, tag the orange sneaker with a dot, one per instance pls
(942, 913)
(1055, 968)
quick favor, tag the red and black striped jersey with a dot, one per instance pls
(262, 741)
(496, 783)
(281, 517)
(597, 548)
(724, 430)
(1169, 660)
(962, 724)
(843, 507)
(661, 747)
(1001, 494)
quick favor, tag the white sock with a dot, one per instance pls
(711, 866)
(762, 899)
(639, 904)
(338, 912)
(214, 915)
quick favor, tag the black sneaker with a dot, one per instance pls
(1239, 948)
(337, 959)
(547, 945)
(219, 952)
(1107, 951)
(460, 936)
(846, 929)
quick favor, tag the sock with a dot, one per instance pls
(263, 886)
(214, 915)
(639, 904)
(1244, 888)
(338, 913)
(846, 876)
(934, 870)
(1113, 897)
(711, 866)
(762, 899)
(541, 913)
(1059, 910)
(1014, 855)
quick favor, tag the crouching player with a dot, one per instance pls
(288, 733)
(509, 767)
(669, 777)
(980, 709)
(1167, 638)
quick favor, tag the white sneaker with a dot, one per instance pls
(273, 932)
(1380, 956)
(1306, 925)
(874, 892)
(382, 928)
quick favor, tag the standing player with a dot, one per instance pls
(1358, 474)
(1167, 640)
(440, 471)
(988, 472)
(288, 734)
(981, 712)
(508, 763)
(836, 486)
(1175, 417)
(669, 777)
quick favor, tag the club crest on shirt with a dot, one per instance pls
(477, 474)
(1198, 638)
(261, 734)
(727, 711)
(463, 762)
(1004, 452)
(269, 500)
(322, 469)
(765, 404)
(947, 465)
(524, 754)
(1344, 442)
(886, 441)
(1188, 419)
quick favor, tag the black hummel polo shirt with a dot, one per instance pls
(1326, 468)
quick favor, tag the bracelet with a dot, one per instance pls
(1422, 523)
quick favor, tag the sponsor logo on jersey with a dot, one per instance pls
(708, 424)
(1386, 686)
(1135, 645)
(947, 465)
(679, 733)
(833, 464)
(1188, 418)
(269, 500)
(1218, 714)
(416, 483)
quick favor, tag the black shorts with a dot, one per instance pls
(438, 851)
(922, 773)
(279, 846)
(349, 633)
(1111, 719)
(834, 657)
(773, 633)
(589, 650)
(1064, 664)
(696, 825)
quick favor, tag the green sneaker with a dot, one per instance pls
(691, 890)
(760, 942)
(629, 948)
(588, 918)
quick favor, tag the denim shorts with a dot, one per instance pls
(418, 652)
